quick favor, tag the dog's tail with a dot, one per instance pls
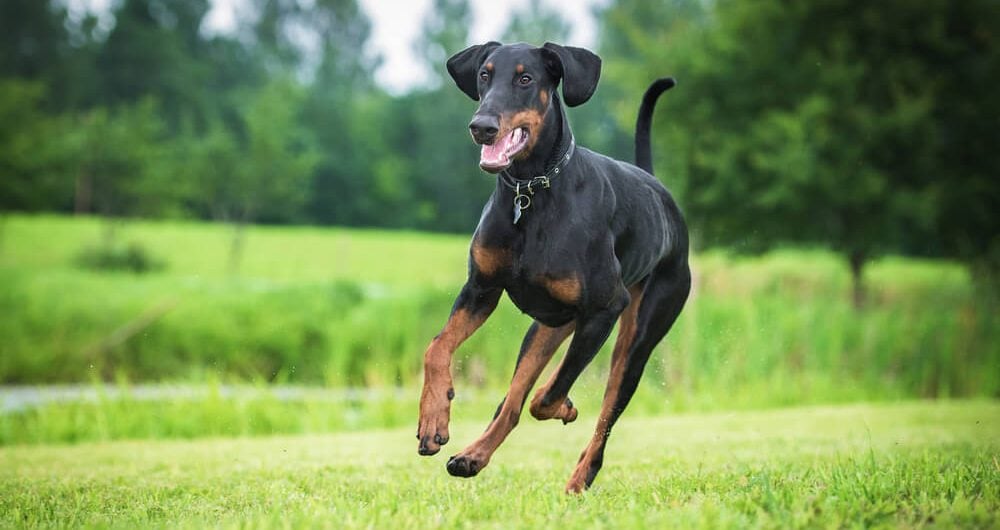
(643, 149)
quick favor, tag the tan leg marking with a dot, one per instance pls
(435, 400)
(626, 335)
(560, 410)
(543, 345)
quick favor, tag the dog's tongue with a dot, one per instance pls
(498, 155)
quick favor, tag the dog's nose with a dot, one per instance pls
(484, 128)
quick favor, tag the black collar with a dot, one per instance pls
(525, 188)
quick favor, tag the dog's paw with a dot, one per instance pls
(432, 428)
(464, 466)
(576, 486)
(562, 410)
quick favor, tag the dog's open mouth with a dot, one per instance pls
(497, 156)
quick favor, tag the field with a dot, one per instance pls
(282, 393)
(909, 465)
(356, 308)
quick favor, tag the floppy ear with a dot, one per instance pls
(579, 68)
(464, 67)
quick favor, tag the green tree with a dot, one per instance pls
(816, 122)
(32, 164)
(342, 110)
(119, 160)
(156, 50)
(40, 42)
(32, 37)
(535, 24)
(434, 157)
(444, 31)
(267, 177)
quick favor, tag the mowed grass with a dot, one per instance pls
(271, 255)
(906, 465)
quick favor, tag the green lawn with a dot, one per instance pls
(909, 465)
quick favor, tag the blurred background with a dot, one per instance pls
(257, 208)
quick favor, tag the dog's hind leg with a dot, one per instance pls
(540, 343)
(643, 324)
(552, 400)
(558, 410)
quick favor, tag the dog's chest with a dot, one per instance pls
(544, 282)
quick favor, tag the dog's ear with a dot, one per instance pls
(579, 68)
(464, 67)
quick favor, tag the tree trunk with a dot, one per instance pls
(84, 191)
(857, 261)
(110, 231)
(236, 246)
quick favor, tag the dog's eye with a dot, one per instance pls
(524, 80)
(484, 76)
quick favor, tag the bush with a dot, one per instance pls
(130, 257)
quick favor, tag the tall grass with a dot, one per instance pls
(356, 308)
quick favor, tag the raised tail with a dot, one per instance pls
(643, 149)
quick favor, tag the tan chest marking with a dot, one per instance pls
(566, 290)
(490, 260)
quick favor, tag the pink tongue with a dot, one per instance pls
(496, 155)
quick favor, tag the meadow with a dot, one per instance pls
(283, 393)
(356, 308)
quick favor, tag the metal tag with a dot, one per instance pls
(521, 202)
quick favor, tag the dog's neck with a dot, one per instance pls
(556, 134)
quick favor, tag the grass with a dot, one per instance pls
(355, 308)
(904, 465)
(340, 307)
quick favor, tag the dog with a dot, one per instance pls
(577, 240)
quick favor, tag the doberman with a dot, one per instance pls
(576, 239)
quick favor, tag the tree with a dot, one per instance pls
(263, 177)
(119, 160)
(815, 122)
(156, 50)
(535, 24)
(31, 159)
(341, 110)
(445, 30)
(434, 158)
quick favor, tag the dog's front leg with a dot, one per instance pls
(474, 304)
(539, 345)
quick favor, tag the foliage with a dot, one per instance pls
(861, 127)
(115, 256)
(901, 465)
(32, 166)
(121, 166)
(444, 31)
(535, 24)
(821, 122)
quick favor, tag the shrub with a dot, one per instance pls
(130, 257)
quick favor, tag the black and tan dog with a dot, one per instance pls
(576, 239)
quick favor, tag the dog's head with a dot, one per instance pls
(514, 85)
